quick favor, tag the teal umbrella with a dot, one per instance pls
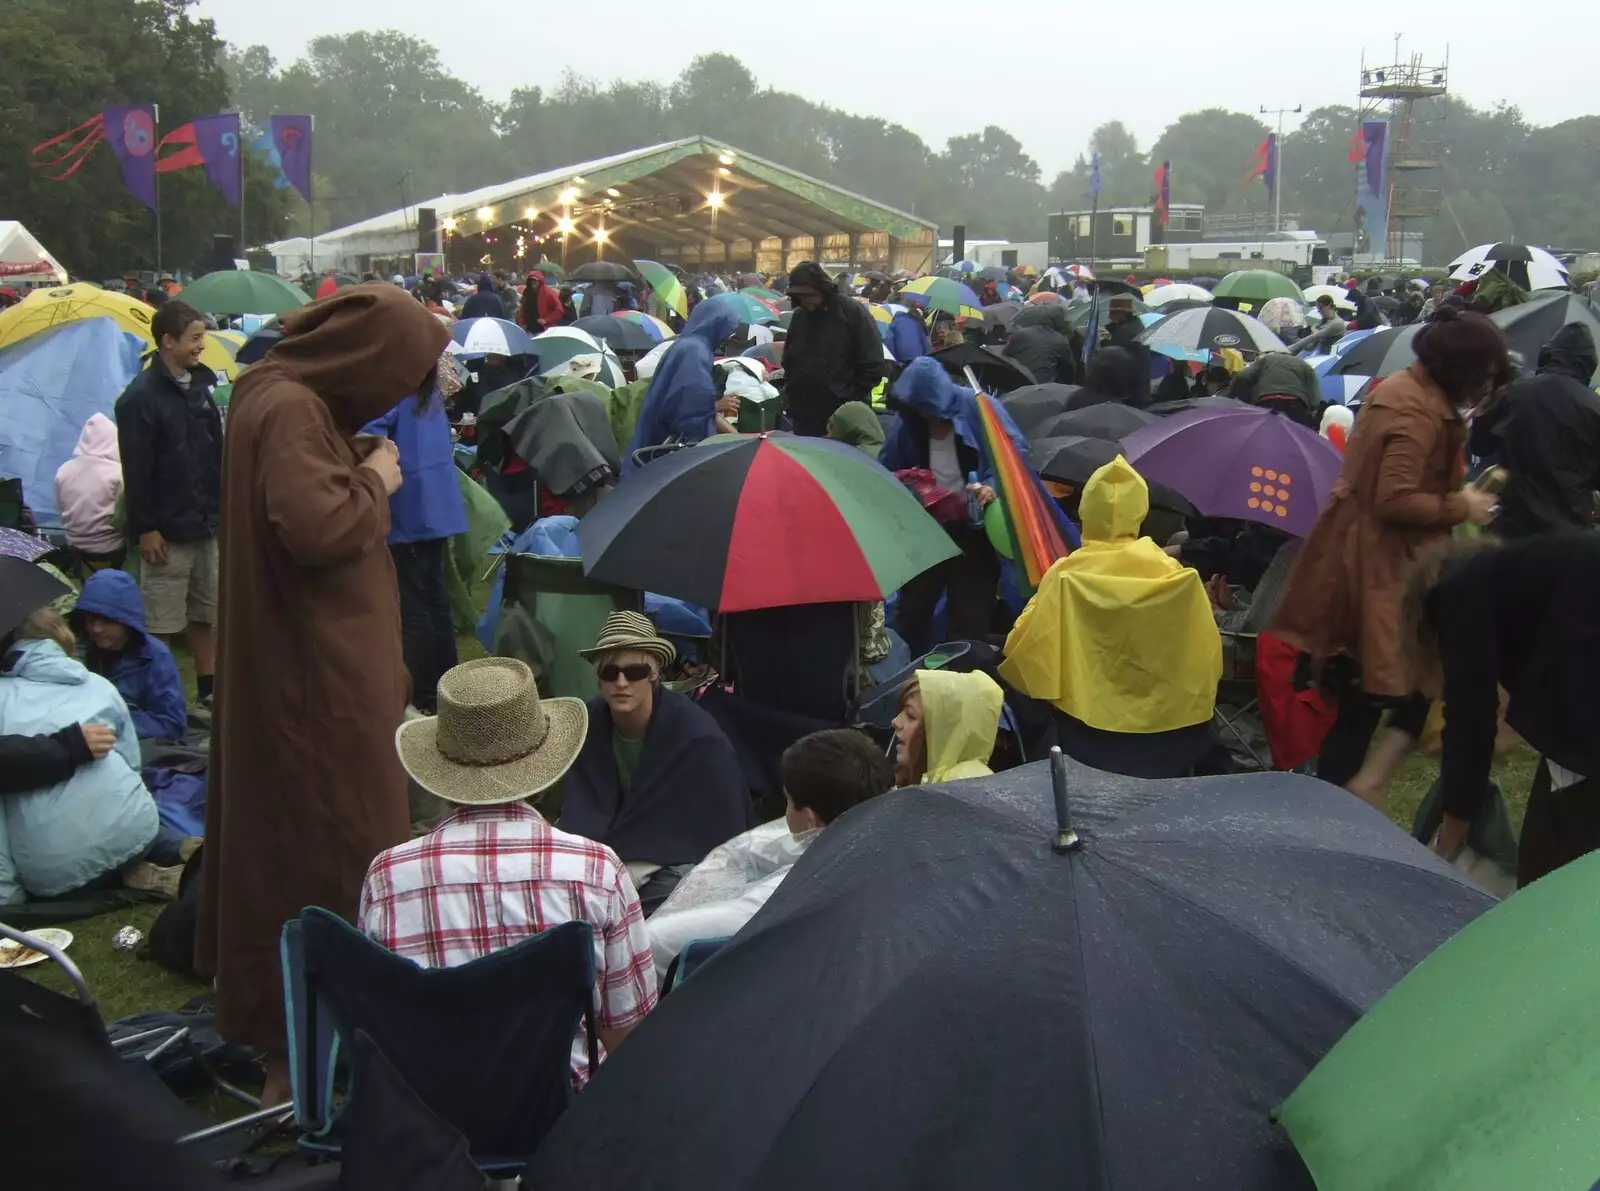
(1257, 286)
(242, 291)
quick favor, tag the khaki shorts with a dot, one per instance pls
(184, 591)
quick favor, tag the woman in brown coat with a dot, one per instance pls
(305, 784)
(1400, 490)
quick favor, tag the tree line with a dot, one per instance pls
(395, 126)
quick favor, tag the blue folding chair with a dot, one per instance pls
(487, 1045)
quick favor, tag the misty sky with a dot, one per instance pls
(911, 63)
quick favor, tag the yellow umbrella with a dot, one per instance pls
(881, 313)
(46, 308)
(231, 341)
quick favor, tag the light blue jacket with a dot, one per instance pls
(59, 838)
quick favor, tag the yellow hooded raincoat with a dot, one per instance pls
(1119, 635)
(960, 716)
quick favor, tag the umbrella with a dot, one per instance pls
(603, 271)
(1163, 294)
(1104, 419)
(24, 589)
(1340, 296)
(994, 372)
(1073, 459)
(242, 291)
(1531, 268)
(1000, 314)
(552, 271)
(1386, 351)
(1115, 285)
(935, 998)
(658, 329)
(46, 308)
(1165, 409)
(941, 293)
(1032, 404)
(326, 288)
(559, 346)
(1081, 272)
(1256, 286)
(1278, 315)
(25, 546)
(993, 273)
(476, 337)
(770, 354)
(1531, 325)
(666, 285)
(750, 310)
(619, 334)
(1208, 330)
(259, 344)
(1245, 463)
(1037, 530)
(776, 520)
(965, 266)
(1080, 310)
(762, 292)
(1476, 1071)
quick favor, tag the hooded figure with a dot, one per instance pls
(1285, 383)
(143, 670)
(856, 425)
(907, 336)
(87, 488)
(1114, 374)
(485, 303)
(1119, 636)
(833, 354)
(1041, 341)
(1551, 434)
(681, 402)
(960, 716)
(306, 785)
(541, 305)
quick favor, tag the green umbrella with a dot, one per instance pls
(1256, 286)
(766, 295)
(242, 291)
(1080, 309)
(664, 283)
(1478, 1071)
(551, 270)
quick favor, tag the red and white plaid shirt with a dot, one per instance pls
(488, 877)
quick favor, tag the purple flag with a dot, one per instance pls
(217, 138)
(1376, 135)
(291, 136)
(131, 132)
(1270, 174)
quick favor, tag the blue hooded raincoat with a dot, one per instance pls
(682, 399)
(144, 673)
(428, 505)
(926, 388)
(907, 338)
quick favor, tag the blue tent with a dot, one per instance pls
(50, 385)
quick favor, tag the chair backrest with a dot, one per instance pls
(548, 612)
(800, 659)
(486, 1045)
(689, 961)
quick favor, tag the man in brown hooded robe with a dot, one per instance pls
(305, 784)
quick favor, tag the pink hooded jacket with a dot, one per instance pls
(87, 488)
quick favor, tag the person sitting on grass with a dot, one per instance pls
(945, 728)
(495, 872)
(824, 775)
(110, 613)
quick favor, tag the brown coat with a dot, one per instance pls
(1397, 493)
(305, 784)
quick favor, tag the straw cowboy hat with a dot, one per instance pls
(631, 630)
(494, 740)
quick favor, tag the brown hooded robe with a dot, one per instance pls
(305, 784)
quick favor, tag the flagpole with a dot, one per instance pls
(1277, 162)
(155, 134)
(244, 245)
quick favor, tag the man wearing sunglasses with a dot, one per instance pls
(657, 781)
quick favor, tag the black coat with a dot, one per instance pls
(831, 356)
(1519, 617)
(36, 762)
(1550, 436)
(171, 445)
(1046, 353)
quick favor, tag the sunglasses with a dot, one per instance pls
(637, 672)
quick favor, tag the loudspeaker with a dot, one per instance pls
(427, 229)
(958, 250)
(222, 253)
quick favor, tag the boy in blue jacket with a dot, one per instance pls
(110, 613)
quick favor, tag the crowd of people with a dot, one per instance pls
(301, 554)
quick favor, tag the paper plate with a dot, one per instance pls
(15, 955)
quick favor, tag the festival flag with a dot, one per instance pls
(291, 136)
(177, 150)
(1163, 177)
(1358, 147)
(217, 138)
(1039, 531)
(131, 132)
(1094, 174)
(1375, 135)
(1264, 164)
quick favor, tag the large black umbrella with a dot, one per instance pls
(24, 589)
(258, 345)
(602, 271)
(619, 334)
(993, 273)
(1073, 459)
(1033, 404)
(1531, 325)
(1105, 419)
(1001, 314)
(935, 998)
(995, 373)
(1165, 409)
(1382, 353)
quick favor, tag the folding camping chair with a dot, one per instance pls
(1237, 689)
(689, 961)
(549, 611)
(487, 1045)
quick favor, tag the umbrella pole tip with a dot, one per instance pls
(1067, 839)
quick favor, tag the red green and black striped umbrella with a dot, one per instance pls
(762, 521)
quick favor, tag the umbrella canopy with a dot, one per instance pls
(1105, 419)
(1531, 268)
(750, 310)
(1531, 325)
(242, 291)
(24, 589)
(554, 271)
(1245, 463)
(1340, 296)
(666, 285)
(1163, 294)
(560, 346)
(1209, 330)
(619, 334)
(260, 343)
(476, 337)
(1081, 310)
(935, 999)
(1386, 351)
(1165, 409)
(1033, 404)
(1073, 459)
(14, 543)
(763, 293)
(770, 354)
(772, 520)
(603, 271)
(940, 293)
(1459, 1079)
(995, 373)
(658, 329)
(46, 308)
(993, 273)
(1000, 314)
(1081, 272)
(1256, 286)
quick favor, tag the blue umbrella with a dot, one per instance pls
(476, 337)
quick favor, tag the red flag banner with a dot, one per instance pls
(1358, 147)
(179, 150)
(1163, 179)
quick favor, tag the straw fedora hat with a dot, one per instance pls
(494, 740)
(631, 630)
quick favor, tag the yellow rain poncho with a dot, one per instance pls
(1120, 635)
(960, 716)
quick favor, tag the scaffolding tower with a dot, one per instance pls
(1407, 93)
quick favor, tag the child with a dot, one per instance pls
(87, 489)
(110, 613)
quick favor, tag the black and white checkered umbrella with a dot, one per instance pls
(1210, 330)
(1530, 267)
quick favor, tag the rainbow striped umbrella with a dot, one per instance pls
(1038, 531)
(943, 294)
(761, 292)
(657, 328)
(666, 286)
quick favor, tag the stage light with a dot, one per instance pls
(715, 198)
(486, 214)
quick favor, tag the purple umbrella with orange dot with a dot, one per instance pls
(1246, 463)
